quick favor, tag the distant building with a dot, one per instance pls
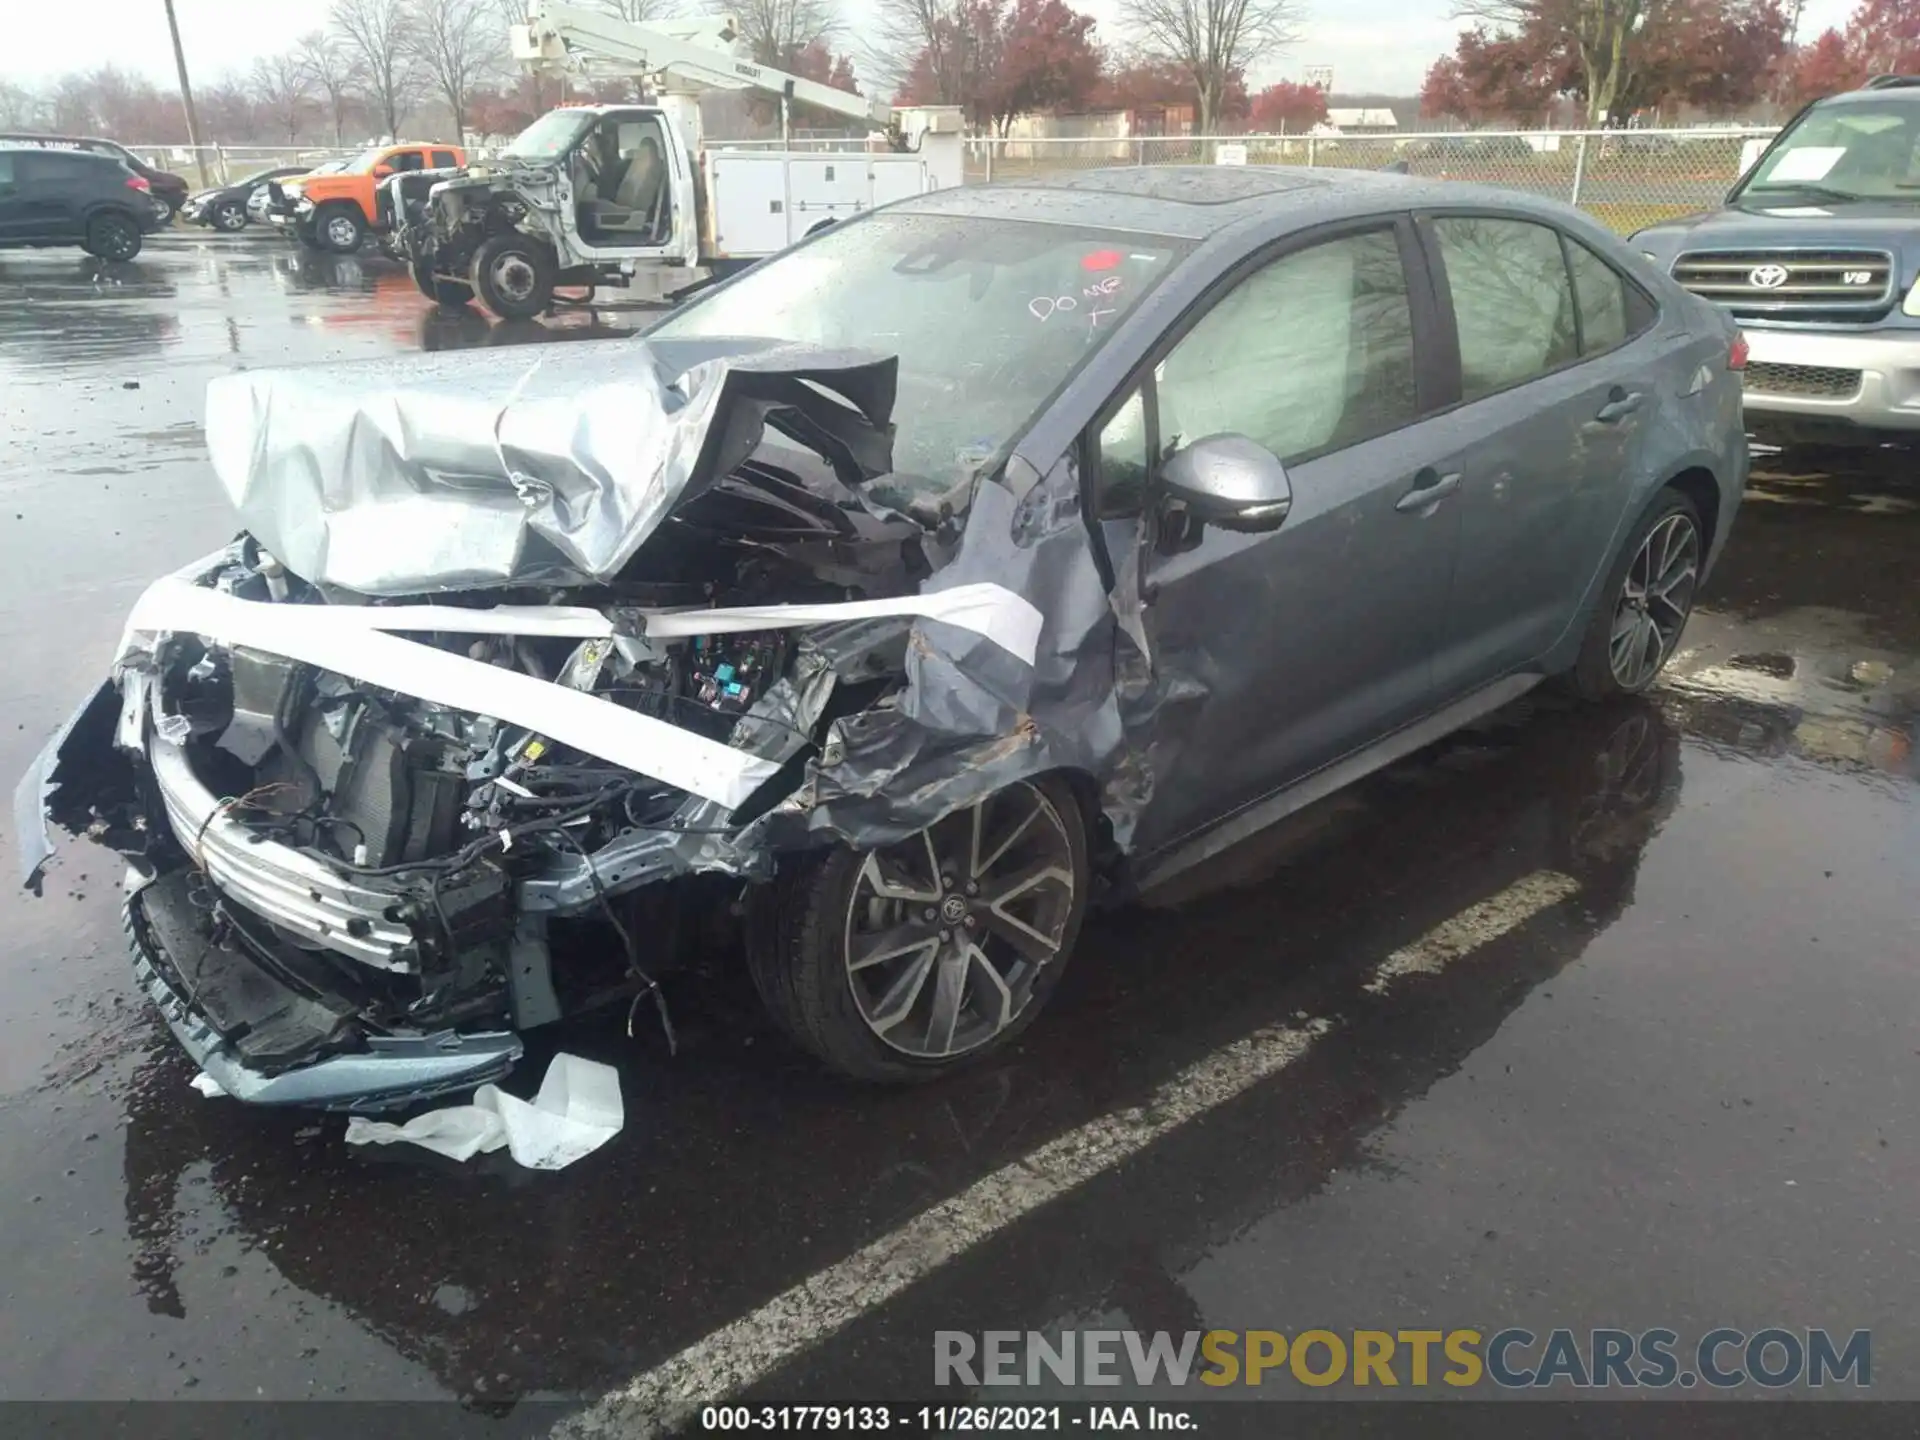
(1362, 120)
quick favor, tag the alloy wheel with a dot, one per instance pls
(947, 932)
(230, 216)
(1654, 602)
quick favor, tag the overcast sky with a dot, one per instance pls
(1372, 45)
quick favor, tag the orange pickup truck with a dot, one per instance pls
(336, 211)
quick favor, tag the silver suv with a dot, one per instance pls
(1817, 255)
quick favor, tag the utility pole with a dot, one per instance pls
(186, 95)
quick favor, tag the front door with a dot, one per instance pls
(1278, 653)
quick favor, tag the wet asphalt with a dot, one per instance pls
(1689, 1096)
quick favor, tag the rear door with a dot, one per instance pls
(1280, 652)
(54, 187)
(1552, 395)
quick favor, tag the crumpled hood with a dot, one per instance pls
(546, 464)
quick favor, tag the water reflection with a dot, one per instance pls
(742, 1169)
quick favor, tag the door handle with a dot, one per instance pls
(1430, 487)
(1620, 403)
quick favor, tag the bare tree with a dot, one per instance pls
(1600, 32)
(329, 70)
(1211, 40)
(18, 105)
(943, 51)
(454, 43)
(638, 12)
(284, 91)
(776, 31)
(378, 38)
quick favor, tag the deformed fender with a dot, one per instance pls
(972, 719)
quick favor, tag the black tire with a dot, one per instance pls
(339, 227)
(513, 276)
(800, 927)
(229, 217)
(1595, 674)
(113, 236)
(450, 293)
(170, 205)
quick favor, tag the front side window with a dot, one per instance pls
(989, 317)
(1844, 151)
(1512, 301)
(1310, 353)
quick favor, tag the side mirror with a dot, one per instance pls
(381, 172)
(1229, 481)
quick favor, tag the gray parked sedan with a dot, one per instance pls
(884, 596)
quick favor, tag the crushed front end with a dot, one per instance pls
(375, 836)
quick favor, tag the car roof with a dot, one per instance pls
(16, 146)
(1899, 94)
(1195, 201)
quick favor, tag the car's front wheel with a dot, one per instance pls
(513, 276)
(229, 216)
(1648, 598)
(906, 961)
(113, 236)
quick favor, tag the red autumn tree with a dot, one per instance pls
(1288, 105)
(1047, 61)
(1882, 37)
(1826, 67)
(1718, 54)
(1499, 79)
(1003, 58)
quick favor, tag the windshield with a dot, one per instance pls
(550, 136)
(1858, 150)
(989, 317)
(364, 162)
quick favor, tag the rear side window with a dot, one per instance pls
(1612, 312)
(1512, 301)
(53, 168)
(6, 168)
(443, 160)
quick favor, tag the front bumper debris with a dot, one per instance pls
(244, 1012)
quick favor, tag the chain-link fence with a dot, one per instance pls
(226, 164)
(1624, 178)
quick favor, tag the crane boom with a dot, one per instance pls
(688, 55)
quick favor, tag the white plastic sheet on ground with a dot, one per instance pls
(577, 1111)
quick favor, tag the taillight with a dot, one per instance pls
(1737, 356)
(138, 182)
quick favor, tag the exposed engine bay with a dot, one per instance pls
(602, 678)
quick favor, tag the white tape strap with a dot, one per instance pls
(989, 610)
(313, 634)
(354, 640)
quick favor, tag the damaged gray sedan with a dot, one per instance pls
(1002, 546)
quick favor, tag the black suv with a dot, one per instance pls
(169, 190)
(73, 197)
